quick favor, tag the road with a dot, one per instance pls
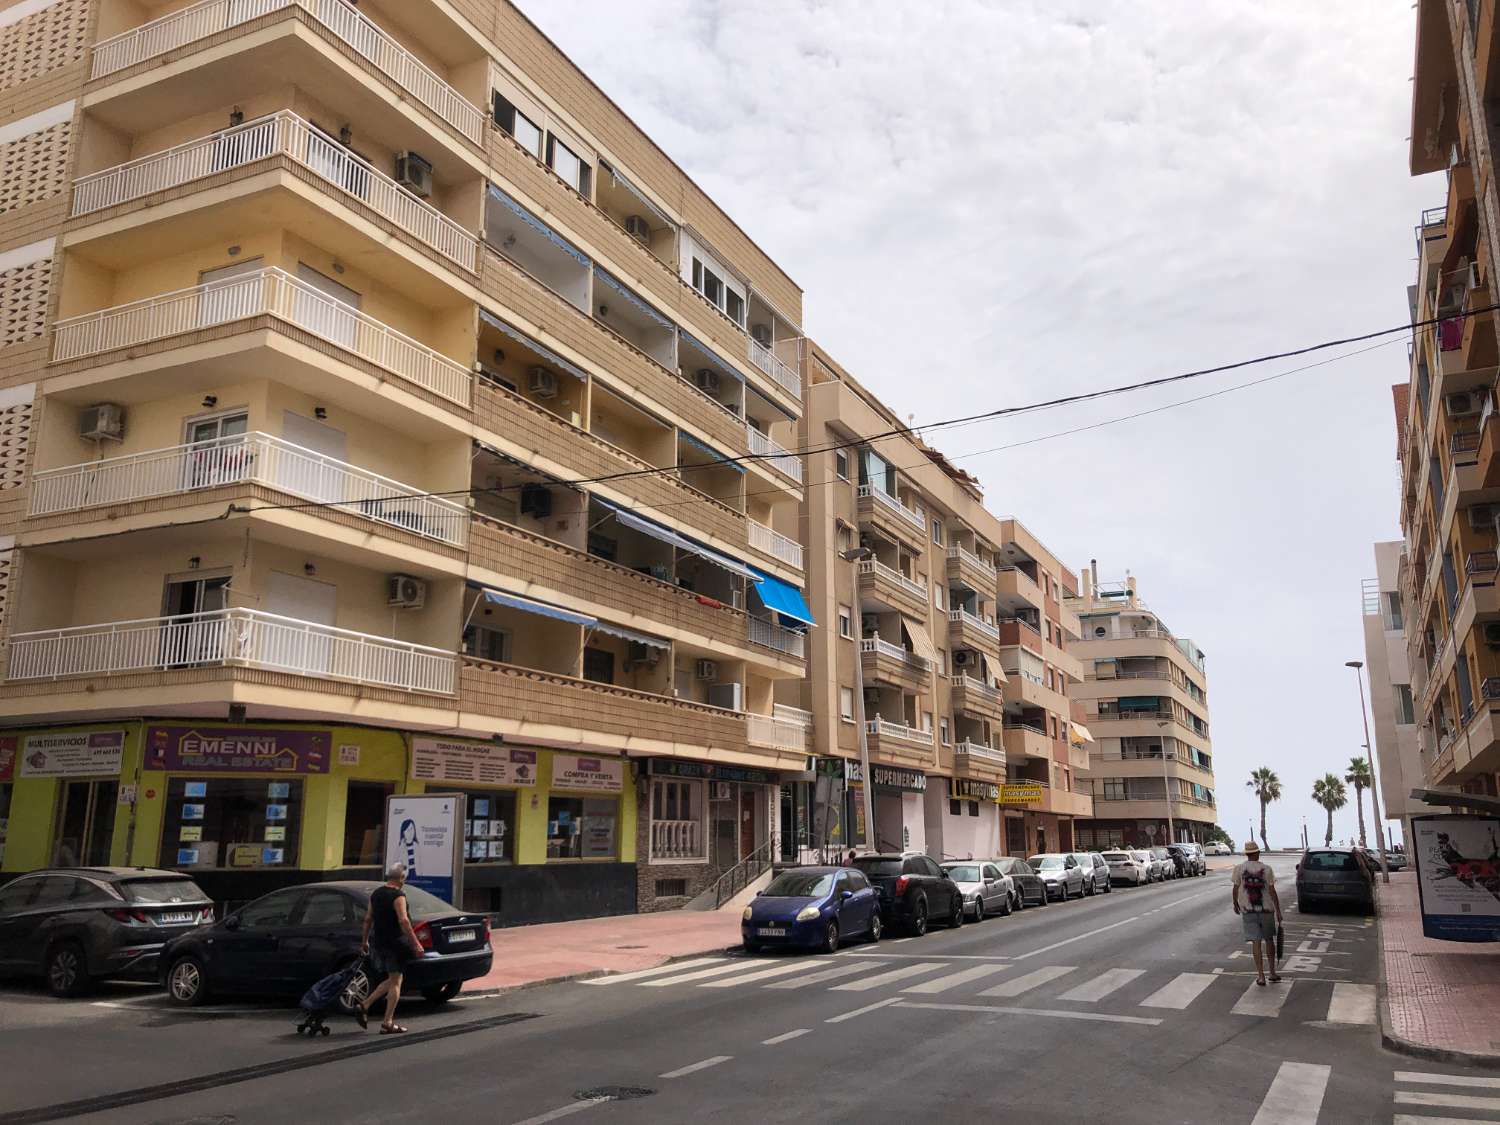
(1138, 1006)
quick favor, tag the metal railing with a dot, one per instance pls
(979, 687)
(768, 634)
(199, 21)
(767, 360)
(773, 543)
(970, 621)
(876, 567)
(1465, 441)
(881, 496)
(677, 839)
(1481, 562)
(775, 454)
(279, 134)
(264, 292)
(776, 733)
(884, 728)
(882, 647)
(1489, 688)
(252, 458)
(244, 638)
(742, 874)
(971, 558)
(980, 752)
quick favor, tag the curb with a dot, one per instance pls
(590, 974)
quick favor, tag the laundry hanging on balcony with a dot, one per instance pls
(498, 196)
(531, 605)
(667, 535)
(526, 341)
(781, 598)
(723, 460)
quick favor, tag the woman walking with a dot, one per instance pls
(390, 943)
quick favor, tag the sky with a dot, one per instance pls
(991, 203)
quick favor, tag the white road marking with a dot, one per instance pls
(699, 974)
(1179, 992)
(564, 1111)
(862, 1011)
(1295, 1096)
(819, 978)
(802, 966)
(1446, 1101)
(694, 1068)
(1029, 981)
(642, 974)
(1092, 991)
(921, 956)
(888, 978)
(1413, 1119)
(1263, 1001)
(787, 1037)
(1354, 1003)
(953, 980)
(1097, 1017)
(1418, 1078)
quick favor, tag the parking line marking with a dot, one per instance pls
(818, 978)
(775, 1039)
(1180, 991)
(1416, 1076)
(1051, 1013)
(763, 974)
(694, 1068)
(1295, 1096)
(953, 980)
(564, 1111)
(1354, 1003)
(1092, 991)
(1413, 1119)
(862, 1011)
(888, 978)
(642, 974)
(1029, 981)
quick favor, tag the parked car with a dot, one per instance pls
(72, 926)
(1188, 861)
(1152, 865)
(1168, 863)
(913, 890)
(283, 942)
(1333, 875)
(1127, 868)
(812, 908)
(1095, 875)
(985, 889)
(1218, 847)
(1061, 873)
(1396, 861)
(1027, 887)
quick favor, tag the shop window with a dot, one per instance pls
(582, 828)
(232, 823)
(973, 808)
(86, 823)
(955, 807)
(490, 825)
(364, 822)
(677, 820)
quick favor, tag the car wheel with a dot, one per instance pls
(187, 982)
(1089, 889)
(831, 938)
(751, 949)
(1007, 908)
(875, 927)
(957, 914)
(67, 969)
(355, 992)
(978, 908)
(1020, 901)
(443, 992)
(919, 918)
(1108, 887)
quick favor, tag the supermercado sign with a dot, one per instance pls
(595, 775)
(889, 777)
(441, 759)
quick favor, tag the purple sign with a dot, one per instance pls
(209, 749)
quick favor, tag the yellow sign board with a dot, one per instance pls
(1021, 793)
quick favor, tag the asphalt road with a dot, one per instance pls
(1138, 1006)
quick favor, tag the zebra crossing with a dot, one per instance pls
(1426, 1098)
(1337, 1003)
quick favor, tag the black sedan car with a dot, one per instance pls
(1029, 888)
(75, 925)
(913, 890)
(281, 944)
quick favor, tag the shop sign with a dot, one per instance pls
(967, 789)
(1021, 793)
(72, 754)
(597, 775)
(8, 757)
(1458, 876)
(671, 767)
(237, 750)
(441, 759)
(426, 832)
(889, 777)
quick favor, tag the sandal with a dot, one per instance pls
(1275, 979)
(1261, 981)
(361, 1017)
(397, 1029)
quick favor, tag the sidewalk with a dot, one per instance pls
(1439, 999)
(528, 955)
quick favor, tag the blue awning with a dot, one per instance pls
(540, 227)
(542, 350)
(718, 364)
(630, 298)
(530, 605)
(722, 460)
(782, 597)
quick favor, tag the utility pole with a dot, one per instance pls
(1166, 786)
(867, 783)
(1385, 866)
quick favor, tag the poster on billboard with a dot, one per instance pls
(597, 775)
(1458, 876)
(73, 754)
(447, 759)
(425, 832)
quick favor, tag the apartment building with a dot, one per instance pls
(1450, 475)
(941, 663)
(383, 412)
(1397, 759)
(1145, 697)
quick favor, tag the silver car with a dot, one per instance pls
(1095, 874)
(1152, 865)
(1127, 867)
(986, 891)
(1060, 873)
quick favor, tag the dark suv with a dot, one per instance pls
(75, 925)
(1189, 861)
(913, 889)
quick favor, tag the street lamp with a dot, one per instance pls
(1380, 837)
(854, 556)
(1166, 785)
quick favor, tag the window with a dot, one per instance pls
(232, 823)
(973, 808)
(734, 305)
(926, 722)
(490, 825)
(582, 828)
(857, 880)
(846, 622)
(677, 819)
(937, 596)
(326, 908)
(573, 170)
(518, 125)
(955, 808)
(841, 464)
(943, 731)
(487, 644)
(1114, 788)
(943, 661)
(845, 538)
(364, 822)
(18, 895)
(846, 704)
(599, 665)
(725, 296)
(272, 911)
(937, 531)
(5, 798)
(1406, 713)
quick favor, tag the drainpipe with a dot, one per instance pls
(867, 787)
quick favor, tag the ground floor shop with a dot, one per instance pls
(965, 818)
(1142, 833)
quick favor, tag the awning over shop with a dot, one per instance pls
(667, 535)
(781, 597)
(921, 643)
(531, 605)
(541, 349)
(631, 635)
(1081, 734)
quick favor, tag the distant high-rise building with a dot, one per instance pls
(1397, 757)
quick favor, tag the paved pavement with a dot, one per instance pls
(1134, 1007)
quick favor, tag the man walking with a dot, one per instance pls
(390, 943)
(1259, 908)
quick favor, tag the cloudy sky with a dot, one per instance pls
(991, 203)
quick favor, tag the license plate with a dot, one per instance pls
(461, 935)
(175, 917)
(771, 931)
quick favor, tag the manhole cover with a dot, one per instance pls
(613, 1093)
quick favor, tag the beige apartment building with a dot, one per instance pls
(941, 646)
(1449, 432)
(1397, 757)
(384, 412)
(1145, 698)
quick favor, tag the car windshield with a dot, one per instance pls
(800, 884)
(423, 904)
(872, 866)
(162, 891)
(1330, 861)
(1046, 862)
(963, 873)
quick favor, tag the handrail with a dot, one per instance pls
(775, 544)
(770, 635)
(740, 876)
(876, 567)
(980, 751)
(966, 619)
(884, 727)
(882, 496)
(769, 362)
(969, 683)
(885, 648)
(763, 446)
(776, 732)
(965, 555)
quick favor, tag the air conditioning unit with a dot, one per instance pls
(102, 421)
(961, 658)
(719, 791)
(405, 592)
(638, 229)
(414, 174)
(1462, 403)
(706, 670)
(762, 334)
(638, 653)
(706, 379)
(536, 501)
(1482, 517)
(731, 696)
(1492, 633)
(542, 382)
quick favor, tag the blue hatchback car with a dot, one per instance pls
(812, 908)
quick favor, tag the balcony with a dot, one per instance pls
(888, 513)
(1022, 740)
(767, 360)
(1014, 631)
(200, 21)
(1025, 689)
(1489, 444)
(1015, 589)
(773, 543)
(898, 741)
(281, 135)
(254, 458)
(972, 697)
(891, 587)
(270, 293)
(889, 663)
(977, 754)
(972, 631)
(239, 638)
(775, 454)
(677, 840)
(969, 569)
(769, 635)
(786, 729)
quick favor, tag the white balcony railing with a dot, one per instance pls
(773, 636)
(778, 734)
(199, 21)
(970, 621)
(977, 687)
(241, 638)
(880, 646)
(252, 458)
(677, 839)
(264, 292)
(776, 454)
(279, 134)
(884, 728)
(881, 496)
(765, 359)
(775, 544)
(878, 568)
(965, 555)
(980, 752)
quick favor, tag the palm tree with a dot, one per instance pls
(1267, 787)
(1329, 792)
(1361, 778)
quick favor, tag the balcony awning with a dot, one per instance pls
(540, 227)
(1081, 734)
(667, 535)
(921, 643)
(631, 635)
(634, 301)
(526, 341)
(621, 181)
(531, 605)
(723, 460)
(717, 364)
(781, 597)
